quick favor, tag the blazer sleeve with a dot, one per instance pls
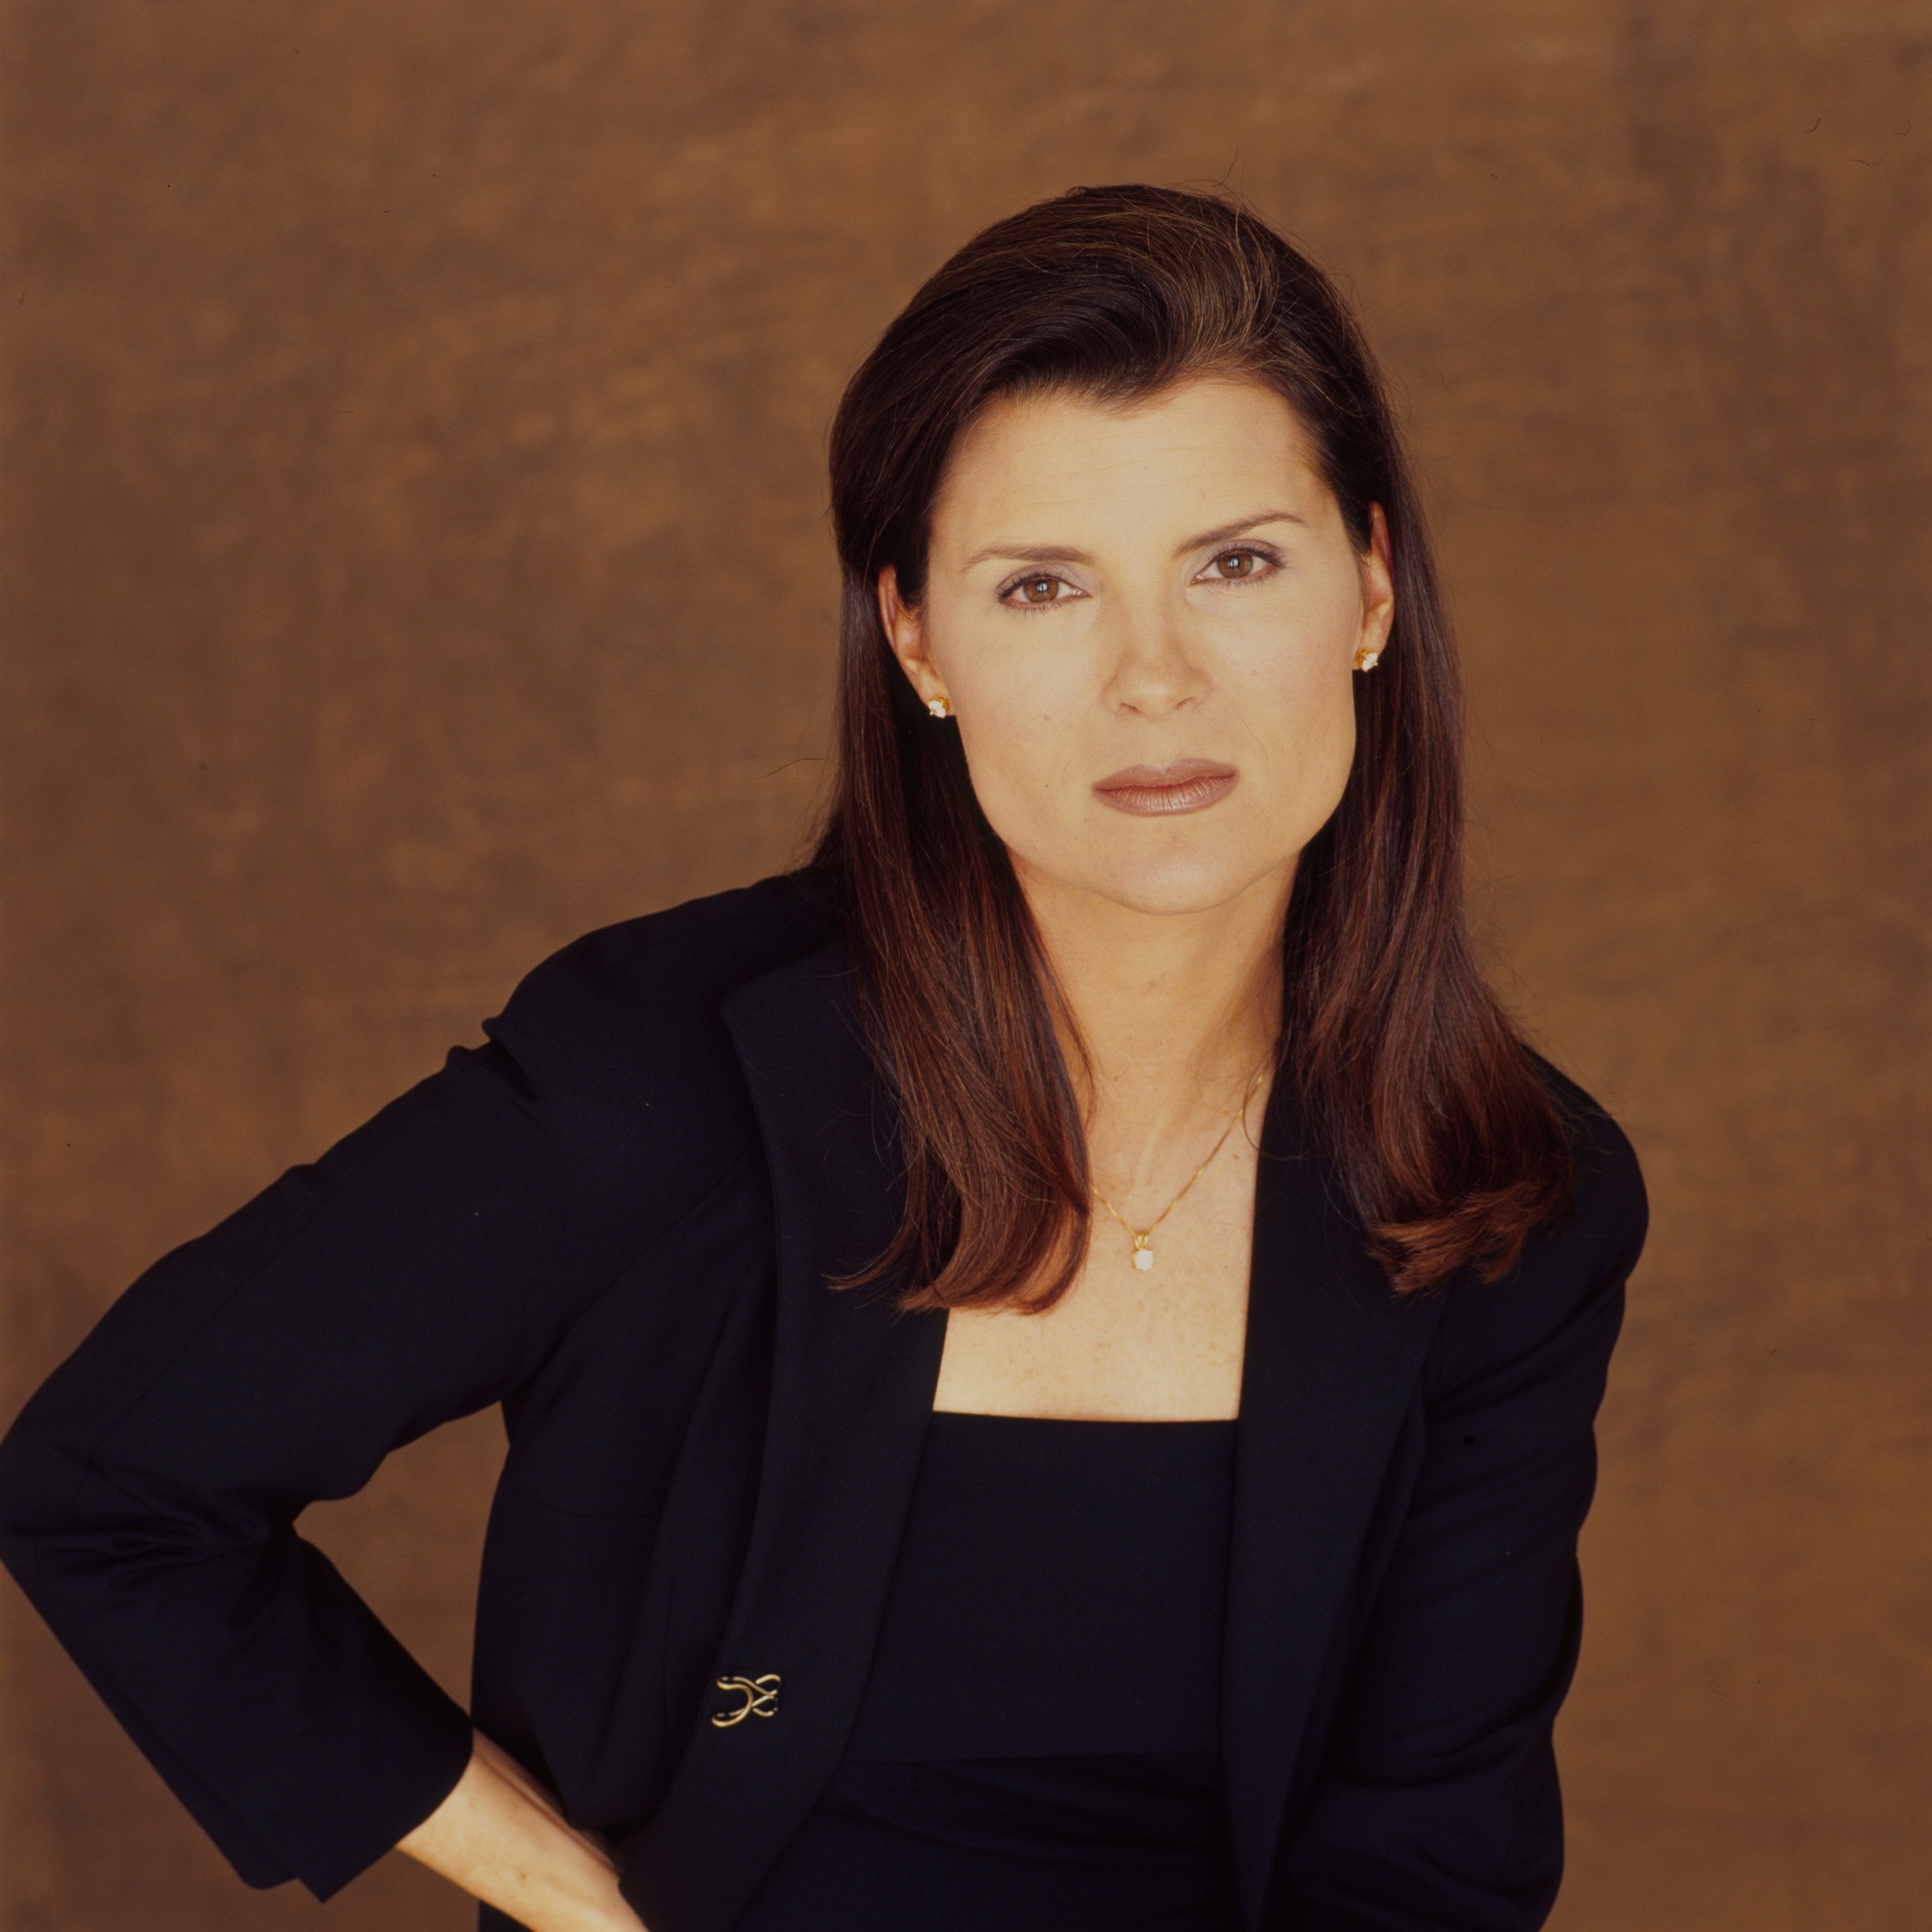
(148, 1491)
(1439, 1808)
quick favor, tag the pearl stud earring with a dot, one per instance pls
(939, 707)
(1366, 659)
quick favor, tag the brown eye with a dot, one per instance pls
(1236, 563)
(1039, 590)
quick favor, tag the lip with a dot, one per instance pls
(1159, 791)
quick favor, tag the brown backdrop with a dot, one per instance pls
(417, 556)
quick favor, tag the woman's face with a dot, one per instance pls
(1145, 620)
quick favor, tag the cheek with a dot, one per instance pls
(1023, 710)
(1328, 751)
(1022, 743)
(1294, 711)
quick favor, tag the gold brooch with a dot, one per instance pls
(760, 1695)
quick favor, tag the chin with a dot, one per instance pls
(1192, 882)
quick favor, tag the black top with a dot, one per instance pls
(1038, 1746)
(617, 1218)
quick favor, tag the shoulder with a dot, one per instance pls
(657, 974)
(619, 1035)
(1610, 1211)
(1559, 1311)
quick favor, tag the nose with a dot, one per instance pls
(1153, 673)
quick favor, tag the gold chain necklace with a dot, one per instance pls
(1143, 1254)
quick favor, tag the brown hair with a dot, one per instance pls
(1444, 1138)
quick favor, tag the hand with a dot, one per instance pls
(502, 1838)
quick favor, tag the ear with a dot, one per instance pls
(905, 632)
(1377, 569)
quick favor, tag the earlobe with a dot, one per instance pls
(906, 636)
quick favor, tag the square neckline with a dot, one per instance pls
(1091, 1421)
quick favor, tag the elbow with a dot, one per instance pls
(70, 1532)
(36, 1482)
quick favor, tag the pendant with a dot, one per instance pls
(1143, 1254)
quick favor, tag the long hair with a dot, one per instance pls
(1442, 1135)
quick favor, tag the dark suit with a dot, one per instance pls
(615, 1219)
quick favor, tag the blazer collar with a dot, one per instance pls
(1332, 1356)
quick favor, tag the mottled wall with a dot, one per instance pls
(416, 556)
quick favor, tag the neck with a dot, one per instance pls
(1174, 1011)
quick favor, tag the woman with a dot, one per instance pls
(1049, 1355)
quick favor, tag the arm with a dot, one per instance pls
(1438, 1807)
(500, 1837)
(421, 1269)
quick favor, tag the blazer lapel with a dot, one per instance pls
(1332, 1356)
(852, 1387)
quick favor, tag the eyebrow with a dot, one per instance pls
(1065, 553)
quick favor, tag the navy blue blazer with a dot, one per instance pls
(615, 1219)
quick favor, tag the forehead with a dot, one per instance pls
(1211, 443)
